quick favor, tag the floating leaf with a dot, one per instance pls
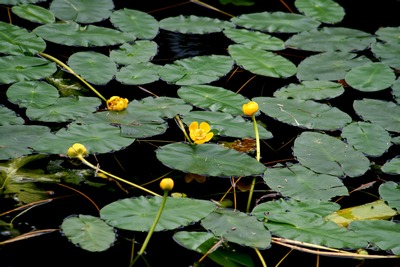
(300, 183)
(370, 77)
(137, 214)
(377, 210)
(88, 232)
(276, 22)
(388, 35)
(384, 234)
(82, 11)
(94, 67)
(97, 138)
(32, 93)
(305, 114)
(208, 159)
(143, 25)
(18, 41)
(226, 124)
(329, 66)
(238, 227)
(262, 62)
(193, 24)
(138, 52)
(22, 68)
(389, 192)
(34, 13)
(382, 113)
(64, 109)
(317, 90)
(392, 166)
(196, 70)
(213, 98)
(331, 39)
(388, 53)
(368, 138)
(325, 154)
(254, 39)
(326, 11)
(138, 73)
(16, 140)
(73, 34)
(9, 117)
(163, 107)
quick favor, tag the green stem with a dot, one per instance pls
(73, 73)
(182, 127)
(253, 183)
(261, 257)
(87, 163)
(153, 227)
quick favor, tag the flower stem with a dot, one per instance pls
(258, 159)
(87, 163)
(182, 127)
(153, 227)
(261, 257)
(73, 73)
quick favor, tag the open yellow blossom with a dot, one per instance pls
(77, 150)
(250, 108)
(201, 134)
(117, 103)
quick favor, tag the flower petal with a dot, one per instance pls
(209, 136)
(205, 126)
(193, 126)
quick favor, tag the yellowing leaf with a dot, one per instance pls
(377, 210)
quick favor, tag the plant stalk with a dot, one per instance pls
(253, 182)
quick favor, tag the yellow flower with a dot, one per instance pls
(201, 134)
(167, 184)
(77, 150)
(250, 108)
(117, 103)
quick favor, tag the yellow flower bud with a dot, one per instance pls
(117, 103)
(250, 108)
(77, 150)
(167, 184)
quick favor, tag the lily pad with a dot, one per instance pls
(138, 214)
(88, 232)
(138, 52)
(300, 183)
(388, 53)
(9, 117)
(194, 24)
(326, 11)
(316, 90)
(208, 159)
(196, 70)
(255, 39)
(262, 62)
(325, 154)
(392, 166)
(238, 227)
(32, 93)
(138, 73)
(389, 192)
(34, 13)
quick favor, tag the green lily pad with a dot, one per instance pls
(82, 11)
(254, 39)
(208, 159)
(97, 138)
(317, 90)
(163, 107)
(388, 53)
(73, 34)
(88, 232)
(262, 62)
(9, 117)
(326, 11)
(18, 41)
(303, 113)
(331, 39)
(382, 113)
(138, 214)
(194, 24)
(143, 25)
(94, 67)
(392, 166)
(213, 97)
(300, 183)
(24, 68)
(329, 66)
(388, 35)
(368, 138)
(196, 70)
(138, 73)
(226, 124)
(390, 192)
(276, 22)
(64, 109)
(328, 155)
(34, 13)
(138, 52)
(32, 93)
(16, 140)
(238, 227)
